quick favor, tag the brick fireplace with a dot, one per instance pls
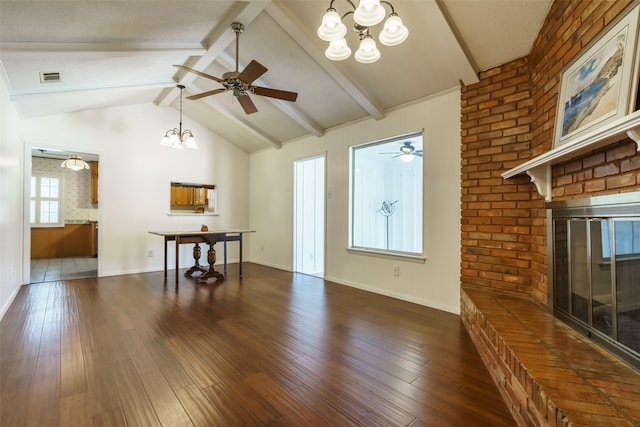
(507, 118)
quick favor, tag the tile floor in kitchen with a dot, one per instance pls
(53, 269)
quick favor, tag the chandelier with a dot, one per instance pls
(75, 163)
(366, 15)
(176, 137)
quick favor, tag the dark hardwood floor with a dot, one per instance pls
(274, 349)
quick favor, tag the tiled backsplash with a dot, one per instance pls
(76, 189)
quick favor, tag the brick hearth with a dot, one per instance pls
(548, 373)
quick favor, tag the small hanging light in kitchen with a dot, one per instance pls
(75, 163)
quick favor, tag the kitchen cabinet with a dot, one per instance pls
(181, 196)
(189, 195)
(200, 196)
(59, 242)
(189, 198)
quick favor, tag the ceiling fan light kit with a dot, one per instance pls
(407, 152)
(366, 15)
(407, 157)
(241, 83)
(177, 138)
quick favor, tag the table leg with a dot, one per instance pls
(197, 266)
(165, 257)
(177, 258)
(211, 259)
(225, 257)
(240, 266)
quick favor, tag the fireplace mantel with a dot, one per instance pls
(539, 168)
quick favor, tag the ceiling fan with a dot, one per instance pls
(407, 150)
(241, 82)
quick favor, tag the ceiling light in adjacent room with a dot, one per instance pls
(75, 163)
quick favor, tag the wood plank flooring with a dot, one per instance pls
(271, 349)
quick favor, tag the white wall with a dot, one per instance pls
(134, 179)
(254, 191)
(434, 283)
(11, 164)
(135, 174)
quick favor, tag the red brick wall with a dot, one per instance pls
(508, 118)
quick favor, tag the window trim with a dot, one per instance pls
(384, 253)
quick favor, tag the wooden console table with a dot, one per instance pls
(196, 237)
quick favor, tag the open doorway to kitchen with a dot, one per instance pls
(61, 220)
(309, 212)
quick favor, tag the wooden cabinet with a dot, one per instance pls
(188, 196)
(94, 182)
(181, 196)
(59, 242)
(200, 196)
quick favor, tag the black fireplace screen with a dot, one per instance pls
(596, 270)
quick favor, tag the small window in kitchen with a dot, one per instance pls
(45, 209)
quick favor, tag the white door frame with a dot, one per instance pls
(26, 186)
(324, 208)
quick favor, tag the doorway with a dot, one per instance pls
(61, 221)
(309, 214)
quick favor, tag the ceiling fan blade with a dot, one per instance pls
(275, 93)
(252, 71)
(200, 73)
(208, 93)
(247, 104)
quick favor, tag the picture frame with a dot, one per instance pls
(600, 85)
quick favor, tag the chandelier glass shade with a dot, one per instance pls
(368, 51)
(177, 138)
(368, 14)
(75, 163)
(332, 27)
(338, 50)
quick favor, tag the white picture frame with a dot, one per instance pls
(600, 85)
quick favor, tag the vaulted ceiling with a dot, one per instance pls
(118, 53)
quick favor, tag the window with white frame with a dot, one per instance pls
(386, 195)
(46, 200)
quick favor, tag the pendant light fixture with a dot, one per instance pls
(75, 163)
(368, 14)
(176, 137)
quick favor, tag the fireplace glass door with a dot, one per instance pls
(627, 271)
(596, 277)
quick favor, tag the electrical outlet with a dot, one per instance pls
(396, 270)
(150, 253)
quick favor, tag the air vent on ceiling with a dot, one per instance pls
(49, 77)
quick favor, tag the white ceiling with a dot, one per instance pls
(117, 53)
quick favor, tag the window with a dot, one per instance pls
(46, 204)
(386, 195)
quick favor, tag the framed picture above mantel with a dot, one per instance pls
(601, 84)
